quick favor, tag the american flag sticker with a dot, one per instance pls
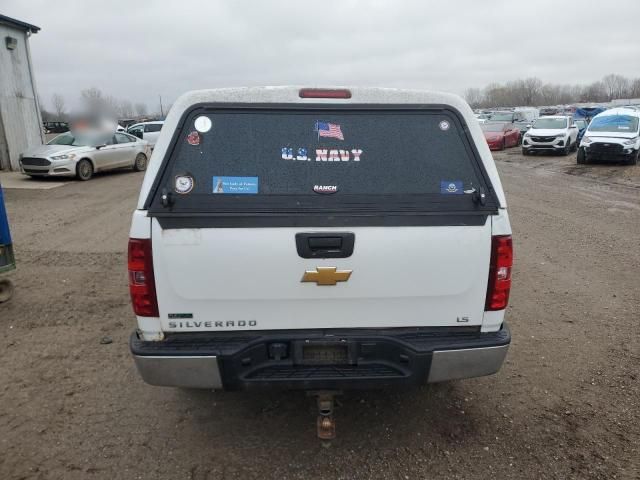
(330, 130)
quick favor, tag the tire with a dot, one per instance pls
(581, 159)
(574, 146)
(567, 148)
(634, 159)
(6, 290)
(140, 163)
(525, 152)
(504, 144)
(84, 170)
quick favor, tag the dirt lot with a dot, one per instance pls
(565, 405)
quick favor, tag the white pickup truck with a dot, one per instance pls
(319, 239)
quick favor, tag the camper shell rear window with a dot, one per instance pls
(298, 160)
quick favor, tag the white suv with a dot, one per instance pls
(149, 131)
(551, 134)
(319, 240)
(613, 135)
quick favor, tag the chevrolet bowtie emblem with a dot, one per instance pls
(326, 275)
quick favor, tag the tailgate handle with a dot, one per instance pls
(325, 244)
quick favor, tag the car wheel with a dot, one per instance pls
(525, 152)
(84, 170)
(582, 157)
(634, 159)
(567, 148)
(140, 163)
(574, 146)
(6, 290)
(504, 144)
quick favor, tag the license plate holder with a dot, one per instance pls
(324, 353)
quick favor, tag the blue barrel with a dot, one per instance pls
(7, 260)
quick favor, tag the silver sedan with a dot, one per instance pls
(77, 155)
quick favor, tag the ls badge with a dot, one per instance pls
(326, 275)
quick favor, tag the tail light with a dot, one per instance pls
(142, 286)
(499, 273)
(324, 93)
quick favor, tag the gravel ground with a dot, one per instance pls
(565, 404)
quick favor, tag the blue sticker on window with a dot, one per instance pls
(451, 187)
(235, 185)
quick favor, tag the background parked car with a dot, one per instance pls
(510, 117)
(529, 114)
(482, 118)
(548, 111)
(56, 127)
(149, 131)
(582, 127)
(557, 133)
(613, 135)
(501, 135)
(126, 122)
(524, 128)
(81, 155)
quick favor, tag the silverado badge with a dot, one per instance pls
(326, 275)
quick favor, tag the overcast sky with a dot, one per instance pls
(137, 50)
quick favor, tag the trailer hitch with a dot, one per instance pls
(325, 423)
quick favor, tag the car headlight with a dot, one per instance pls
(587, 140)
(631, 141)
(69, 156)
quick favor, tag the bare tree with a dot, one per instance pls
(44, 113)
(595, 92)
(634, 88)
(531, 88)
(532, 91)
(497, 95)
(126, 109)
(550, 94)
(111, 105)
(576, 93)
(141, 109)
(473, 96)
(58, 103)
(616, 86)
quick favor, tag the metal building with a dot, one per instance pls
(20, 120)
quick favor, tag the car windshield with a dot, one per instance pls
(502, 117)
(581, 123)
(614, 123)
(550, 123)
(71, 140)
(492, 127)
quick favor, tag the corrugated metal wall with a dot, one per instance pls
(20, 122)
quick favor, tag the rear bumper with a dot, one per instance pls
(320, 359)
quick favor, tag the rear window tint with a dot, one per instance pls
(256, 155)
